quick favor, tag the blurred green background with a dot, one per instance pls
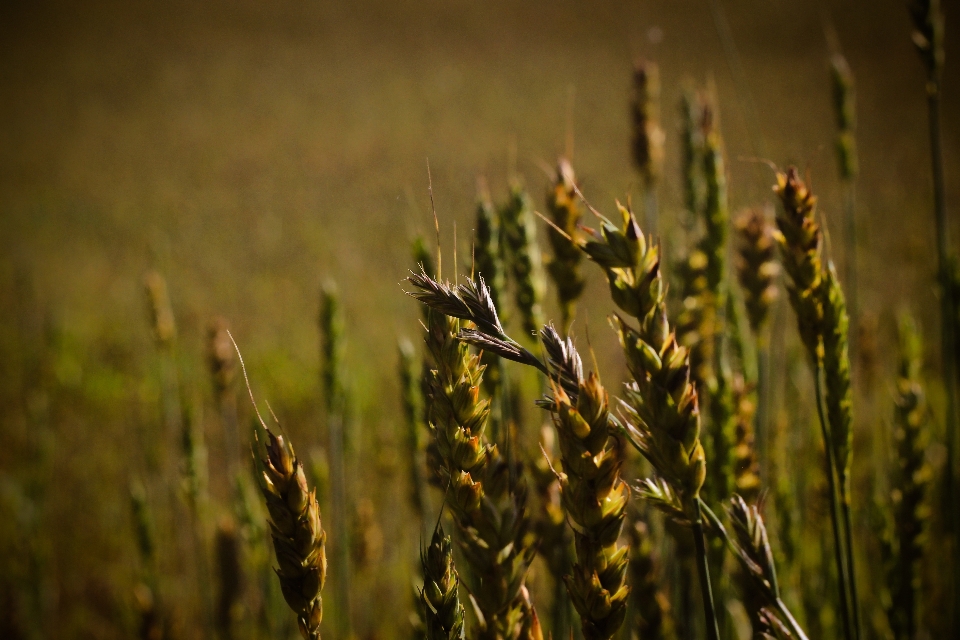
(249, 151)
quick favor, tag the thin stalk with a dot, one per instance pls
(834, 507)
(761, 418)
(850, 271)
(703, 569)
(341, 559)
(948, 339)
(794, 625)
(851, 569)
(652, 211)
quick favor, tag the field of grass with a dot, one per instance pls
(251, 151)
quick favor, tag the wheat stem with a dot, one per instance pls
(331, 330)
(703, 570)
(831, 472)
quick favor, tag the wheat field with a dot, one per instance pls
(169, 172)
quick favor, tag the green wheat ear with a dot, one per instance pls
(442, 609)
(564, 208)
(525, 261)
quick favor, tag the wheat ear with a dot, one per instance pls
(164, 328)
(412, 402)
(442, 610)
(146, 592)
(550, 521)
(911, 482)
(222, 366)
(564, 209)
(525, 261)
(749, 543)
(661, 403)
(595, 500)
(488, 260)
(800, 240)
(756, 266)
(486, 502)
(648, 136)
(298, 539)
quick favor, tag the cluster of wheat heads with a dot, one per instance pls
(716, 357)
(697, 536)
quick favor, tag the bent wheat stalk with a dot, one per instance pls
(750, 545)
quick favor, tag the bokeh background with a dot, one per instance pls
(250, 151)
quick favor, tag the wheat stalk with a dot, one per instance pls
(331, 378)
(928, 37)
(800, 238)
(229, 577)
(651, 616)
